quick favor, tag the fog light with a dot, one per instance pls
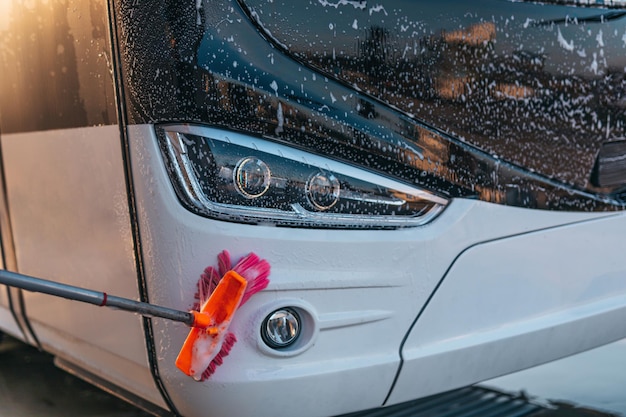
(281, 328)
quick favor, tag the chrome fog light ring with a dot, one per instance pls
(309, 327)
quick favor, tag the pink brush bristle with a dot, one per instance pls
(223, 262)
(206, 284)
(255, 270)
(227, 345)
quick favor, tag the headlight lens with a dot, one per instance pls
(252, 177)
(235, 177)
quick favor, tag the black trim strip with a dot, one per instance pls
(597, 4)
(463, 402)
(600, 18)
(31, 331)
(13, 313)
(132, 206)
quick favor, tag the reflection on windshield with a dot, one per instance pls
(539, 97)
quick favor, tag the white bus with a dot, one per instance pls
(438, 187)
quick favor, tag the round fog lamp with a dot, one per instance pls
(252, 177)
(281, 328)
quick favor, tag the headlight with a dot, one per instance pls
(235, 177)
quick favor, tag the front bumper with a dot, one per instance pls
(517, 302)
(362, 291)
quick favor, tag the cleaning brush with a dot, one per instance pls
(220, 291)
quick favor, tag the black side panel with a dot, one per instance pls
(75, 91)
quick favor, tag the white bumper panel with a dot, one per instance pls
(361, 289)
(518, 302)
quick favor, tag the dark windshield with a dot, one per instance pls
(540, 86)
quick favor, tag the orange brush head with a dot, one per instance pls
(205, 341)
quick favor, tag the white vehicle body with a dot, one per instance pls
(388, 314)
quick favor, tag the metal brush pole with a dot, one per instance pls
(98, 298)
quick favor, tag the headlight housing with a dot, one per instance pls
(235, 177)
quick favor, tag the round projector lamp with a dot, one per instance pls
(322, 191)
(281, 328)
(252, 177)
